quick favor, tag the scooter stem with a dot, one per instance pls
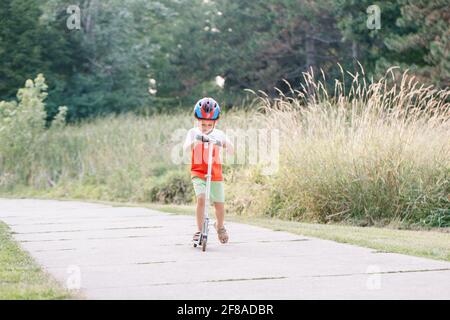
(210, 146)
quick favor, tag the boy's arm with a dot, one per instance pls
(189, 142)
(188, 146)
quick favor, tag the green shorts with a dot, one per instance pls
(217, 193)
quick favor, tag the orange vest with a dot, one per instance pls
(199, 162)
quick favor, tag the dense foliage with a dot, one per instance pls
(145, 56)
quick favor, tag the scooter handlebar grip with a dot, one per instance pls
(201, 138)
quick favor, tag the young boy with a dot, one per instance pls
(207, 112)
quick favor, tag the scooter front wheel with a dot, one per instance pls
(204, 244)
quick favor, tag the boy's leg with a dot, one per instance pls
(200, 210)
(199, 188)
(220, 213)
(218, 197)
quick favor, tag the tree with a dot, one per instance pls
(422, 42)
(28, 47)
(256, 44)
(115, 49)
(367, 43)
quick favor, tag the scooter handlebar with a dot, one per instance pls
(204, 138)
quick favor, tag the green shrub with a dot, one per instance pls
(23, 133)
(173, 187)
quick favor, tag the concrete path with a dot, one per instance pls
(137, 253)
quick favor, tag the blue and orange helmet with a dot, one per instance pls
(207, 109)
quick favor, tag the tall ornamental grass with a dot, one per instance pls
(371, 154)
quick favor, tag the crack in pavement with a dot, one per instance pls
(265, 278)
(381, 272)
(56, 266)
(51, 250)
(192, 282)
(246, 279)
(269, 241)
(45, 240)
(154, 262)
(61, 223)
(78, 218)
(102, 238)
(112, 228)
(292, 240)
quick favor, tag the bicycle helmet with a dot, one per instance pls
(207, 109)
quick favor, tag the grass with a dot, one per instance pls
(20, 277)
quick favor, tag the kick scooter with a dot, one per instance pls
(203, 239)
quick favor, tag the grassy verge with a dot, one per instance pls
(20, 277)
(427, 243)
